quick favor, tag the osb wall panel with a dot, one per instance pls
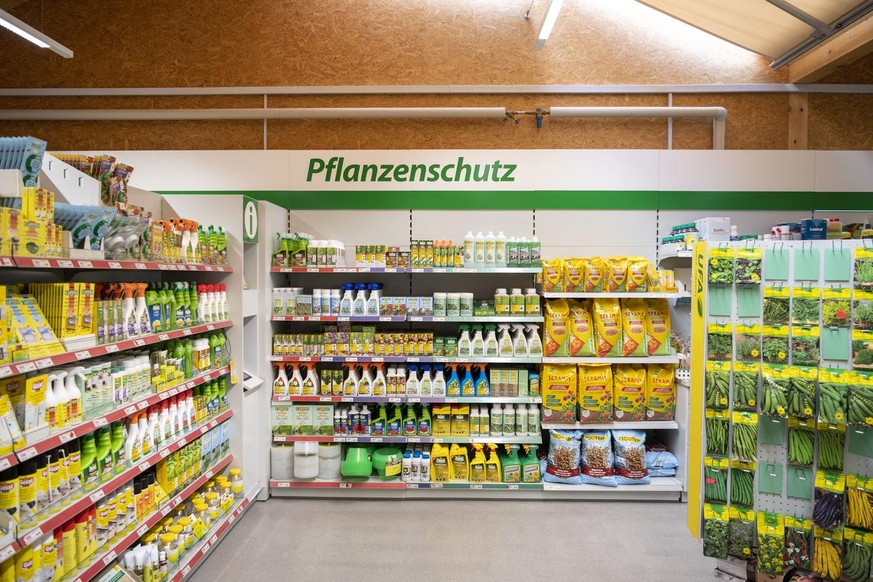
(860, 72)
(359, 42)
(755, 122)
(142, 135)
(841, 122)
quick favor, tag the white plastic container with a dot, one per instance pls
(439, 304)
(500, 250)
(490, 243)
(453, 304)
(469, 250)
(479, 249)
(466, 305)
(305, 460)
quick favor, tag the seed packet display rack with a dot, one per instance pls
(735, 286)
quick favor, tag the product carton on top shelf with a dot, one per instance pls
(714, 228)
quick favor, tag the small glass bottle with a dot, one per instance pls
(236, 482)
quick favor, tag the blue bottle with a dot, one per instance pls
(468, 386)
(483, 388)
(453, 386)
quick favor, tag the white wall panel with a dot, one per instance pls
(390, 227)
(596, 169)
(597, 227)
(207, 170)
(843, 172)
(708, 170)
(453, 224)
(584, 251)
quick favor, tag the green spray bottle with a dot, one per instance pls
(193, 303)
(168, 299)
(155, 308)
(90, 477)
(221, 246)
(203, 240)
(117, 450)
(105, 467)
(213, 244)
(511, 465)
(187, 362)
(530, 465)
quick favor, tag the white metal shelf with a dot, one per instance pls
(640, 295)
(673, 359)
(642, 425)
(400, 398)
(496, 440)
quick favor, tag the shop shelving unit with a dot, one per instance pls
(413, 281)
(329, 488)
(25, 269)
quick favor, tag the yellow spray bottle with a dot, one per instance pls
(492, 466)
(477, 465)
(460, 463)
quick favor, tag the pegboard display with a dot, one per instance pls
(787, 396)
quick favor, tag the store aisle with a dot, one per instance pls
(384, 541)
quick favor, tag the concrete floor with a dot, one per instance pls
(506, 541)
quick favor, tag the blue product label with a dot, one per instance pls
(377, 427)
(394, 428)
(409, 427)
(424, 428)
(482, 388)
(453, 389)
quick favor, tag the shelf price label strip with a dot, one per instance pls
(97, 264)
(89, 426)
(128, 540)
(78, 355)
(409, 439)
(89, 499)
(196, 556)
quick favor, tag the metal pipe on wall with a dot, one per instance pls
(717, 114)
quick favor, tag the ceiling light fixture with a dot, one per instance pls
(27, 32)
(548, 23)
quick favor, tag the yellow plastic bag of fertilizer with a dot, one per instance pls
(553, 275)
(581, 338)
(633, 326)
(660, 392)
(617, 275)
(595, 393)
(658, 327)
(557, 329)
(629, 392)
(559, 393)
(595, 274)
(637, 274)
(607, 327)
(574, 275)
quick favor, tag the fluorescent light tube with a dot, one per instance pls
(27, 32)
(548, 23)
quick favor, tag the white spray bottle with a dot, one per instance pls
(534, 344)
(491, 344)
(439, 382)
(425, 385)
(350, 384)
(519, 342)
(504, 341)
(50, 403)
(310, 383)
(62, 397)
(365, 384)
(412, 383)
(478, 345)
(295, 384)
(74, 412)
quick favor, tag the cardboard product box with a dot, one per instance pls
(281, 419)
(302, 419)
(511, 386)
(523, 383)
(714, 228)
(323, 419)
